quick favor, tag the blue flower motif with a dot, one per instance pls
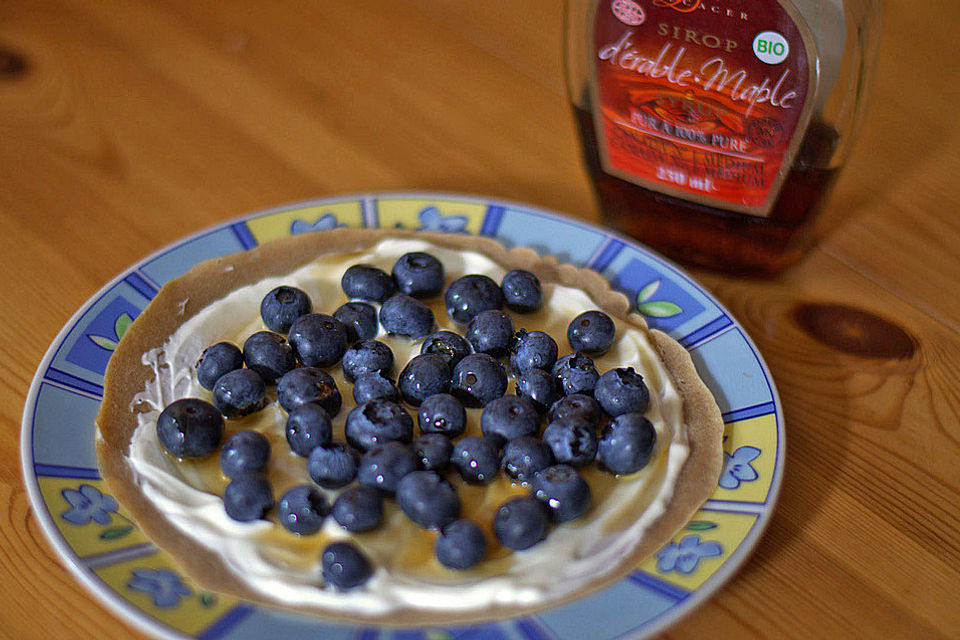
(87, 504)
(432, 220)
(737, 468)
(164, 586)
(685, 557)
(323, 223)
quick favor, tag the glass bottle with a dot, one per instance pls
(713, 129)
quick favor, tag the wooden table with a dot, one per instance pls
(127, 125)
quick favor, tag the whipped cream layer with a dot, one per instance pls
(284, 567)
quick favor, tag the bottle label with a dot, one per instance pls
(705, 100)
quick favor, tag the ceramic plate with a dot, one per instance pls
(107, 552)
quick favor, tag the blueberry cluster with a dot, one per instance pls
(383, 455)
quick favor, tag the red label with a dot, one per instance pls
(701, 99)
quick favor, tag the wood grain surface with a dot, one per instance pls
(126, 125)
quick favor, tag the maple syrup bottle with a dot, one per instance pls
(714, 129)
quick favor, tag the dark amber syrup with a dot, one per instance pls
(700, 235)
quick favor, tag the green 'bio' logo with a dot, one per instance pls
(771, 47)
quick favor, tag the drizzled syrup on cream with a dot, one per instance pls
(284, 567)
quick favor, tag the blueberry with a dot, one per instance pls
(248, 497)
(533, 350)
(308, 384)
(425, 375)
(367, 282)
(418, 274)
(460, 545)
(490, 332)
(433, 452)
(571, 441)
(308, 427)
(244, 452)
(240, 393)
(333, 465)
(216, 360)
(524, 456)
(575, 373)
(509, 417)
(538, 386)
(367, 356)
(622, 391)
(378, 422)
(477, 459)
(358, 509)
(522, 291)
(190, 428)
(269, 354)
(562, 490)
(359, 319)
(406, 316)
(383, 465)
(469, 295)
(478, 379)
(626, 443)
(563, 363)
(319, 340)
(450, 346)
(520, 523)
(442, 413)
(427, 499)
(579, 406)
(373, 386)
(282, 306)
(591, 332)
(301, 510)
(344, 566)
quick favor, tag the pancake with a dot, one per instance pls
(178, 503)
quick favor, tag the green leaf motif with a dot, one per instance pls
(104, 342)
(207, 599)
(660, 309)
(438, 634)
(122, 324)
(701, 525)
(647, 291)
(120, 327)
(114, 533)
